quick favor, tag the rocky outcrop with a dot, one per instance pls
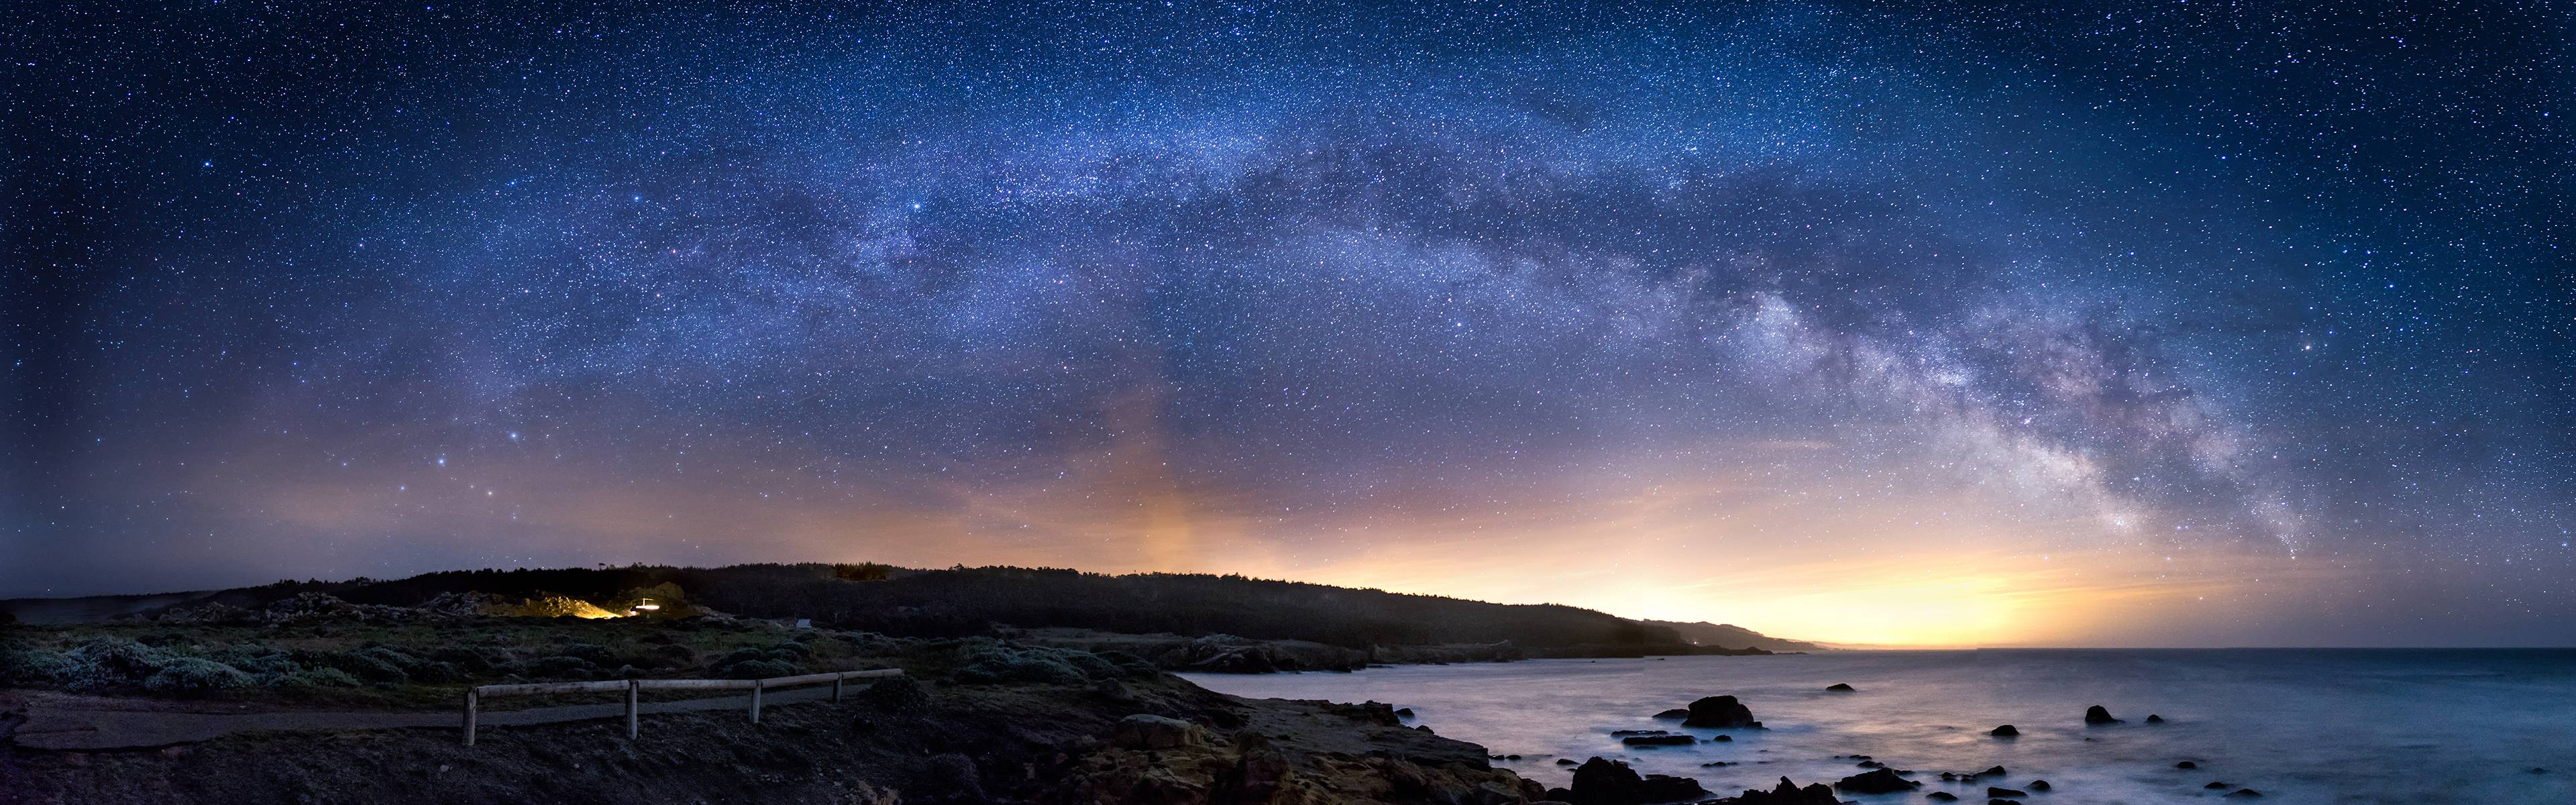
(1839, 687)
(1876, 781)
(1786, 793)
(2098, 715)
(1722, 712)
(1609, 782)
(1148, 731)
(2005, 731)
(1677, 712)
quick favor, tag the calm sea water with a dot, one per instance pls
(2301, 726)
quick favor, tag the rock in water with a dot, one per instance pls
(1658, 740)
(2039, 785)
(1720, 711)
(1997, 771)
(2244, 793)
(2098, 714)
(1993, 791)
(1674, 713)
(1148, 731)
(2005, 731)
(1667, 788)
(2155, 719)
(1941, 796)
(1876, 781)
(1786, 793)
(2186, 765)
(2215, 785)
(1610, 782)
(1839, 688)
(1731, 739)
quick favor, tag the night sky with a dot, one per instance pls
(2178, 323)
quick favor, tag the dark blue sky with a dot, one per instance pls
(2178, 323)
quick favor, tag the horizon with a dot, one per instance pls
(2036, 325)
(1769, 633)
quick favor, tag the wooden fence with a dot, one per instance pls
(634, 687)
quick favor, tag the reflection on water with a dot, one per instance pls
(2300, 725)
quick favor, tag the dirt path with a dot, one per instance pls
(71, 725)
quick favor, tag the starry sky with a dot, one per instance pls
(2174, 323)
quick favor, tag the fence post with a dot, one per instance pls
(631, 687)
(470, 702)
(836, 689)
(755, 701)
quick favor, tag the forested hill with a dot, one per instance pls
(964, 601)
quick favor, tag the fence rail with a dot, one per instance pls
(633, 687)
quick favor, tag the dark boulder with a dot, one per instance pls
(1667, 788)
(2039, 785)
(1638, 732)
(1564, 761)
(2003, 802)
(1721, 712)
(2098, 714)
(2186, 765)
(2244, 793)
(1674, 713)
(1658, 740)
(1941, 796)
(1995, 791)
(1731, 739)
(2005, 731)
(1610, 782)
(2155, 719)
(1786, 793)
(1839, 688)
(2215, 785)
(1993, 771)
(1876, 781)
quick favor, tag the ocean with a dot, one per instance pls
(2300, 726)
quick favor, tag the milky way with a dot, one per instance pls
(2242, 323)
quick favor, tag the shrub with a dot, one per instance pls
(374, 664)
(33, 667)
(563, 667)
(265, 665)
(117, 656)
(595, 653)
(190, 675)
(464, 658)
(320, 678)
(756, 669)
(984, 660)
(674, 654)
